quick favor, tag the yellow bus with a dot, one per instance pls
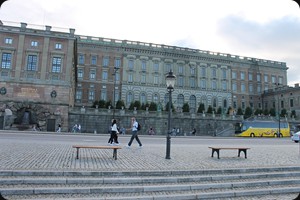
(262, 129)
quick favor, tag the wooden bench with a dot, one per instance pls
(240, 149)
(115, 148)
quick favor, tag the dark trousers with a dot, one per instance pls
(110, 140)
(134, 136)
(115, 137)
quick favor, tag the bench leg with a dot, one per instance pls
(115, 154)
(243, 150)
(215, 150)
(77, 152)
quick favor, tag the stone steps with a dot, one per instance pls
(198, 184)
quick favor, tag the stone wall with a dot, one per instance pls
(99, 121)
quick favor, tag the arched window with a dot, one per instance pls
(166, 99)
(180, 100)
(224, 103)
(143, 98)
(214, 104)
(192, 103)
(155, 98)
(129, 98)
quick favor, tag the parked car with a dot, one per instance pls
(296, 137)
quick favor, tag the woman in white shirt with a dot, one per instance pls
(115, 132)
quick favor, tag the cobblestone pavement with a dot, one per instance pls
(186, 154)
(27, 151)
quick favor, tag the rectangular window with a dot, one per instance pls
(224, 74)
(91, 95)
(92, 75)
(32, 63)
(143, 65)
(103, 94)
(58, 46)
(180, 81)
(250, 88)
(224, 85)
(250, 76)
(117, 63)
(203, 72)
(242, 75)
(192, 82)
(94, 60)
(243, 87)
(258, 88)
(233, 74)
(34, 43)
(81, 59)
(280, 80)
(214, 72)
(266, 78)
(8, 40)
(273, 79)
(155, 80)
(214, 85)
(291, 103)
(130, 64)
(56, 64)
(203, 84)
(192, 71)
(130, 78)
(168, 67)
(258, 78)
(80, 73)
(180, 69)
(234, 87)
(105, 61)
(156, 66)
(78, 95)
(6, 61)
(104, 76)
(143, 78)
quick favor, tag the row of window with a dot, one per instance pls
(33, 43)
(258, 77)
(155, 98)
(31, 62)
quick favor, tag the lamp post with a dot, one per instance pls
(114, 95)
(170, 81)
(278, 108)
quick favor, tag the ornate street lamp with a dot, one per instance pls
(170, 81)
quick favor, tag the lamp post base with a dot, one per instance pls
(168, 150)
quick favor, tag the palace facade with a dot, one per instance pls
(45, 72)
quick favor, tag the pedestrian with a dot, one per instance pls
(134, 129)
(59, 128)
(114, 133)
(110, 140)
(79, 128)
(151, 131)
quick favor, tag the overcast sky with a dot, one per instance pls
(265, 29)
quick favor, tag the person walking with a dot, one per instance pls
(114, 132)
(134, 129)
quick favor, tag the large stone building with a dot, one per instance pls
(45, 72)
(37, 75)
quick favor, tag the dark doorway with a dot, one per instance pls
(1, 122)
(51, 125)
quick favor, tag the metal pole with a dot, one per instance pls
(278, 118)
(168, 150)
(114, 93)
